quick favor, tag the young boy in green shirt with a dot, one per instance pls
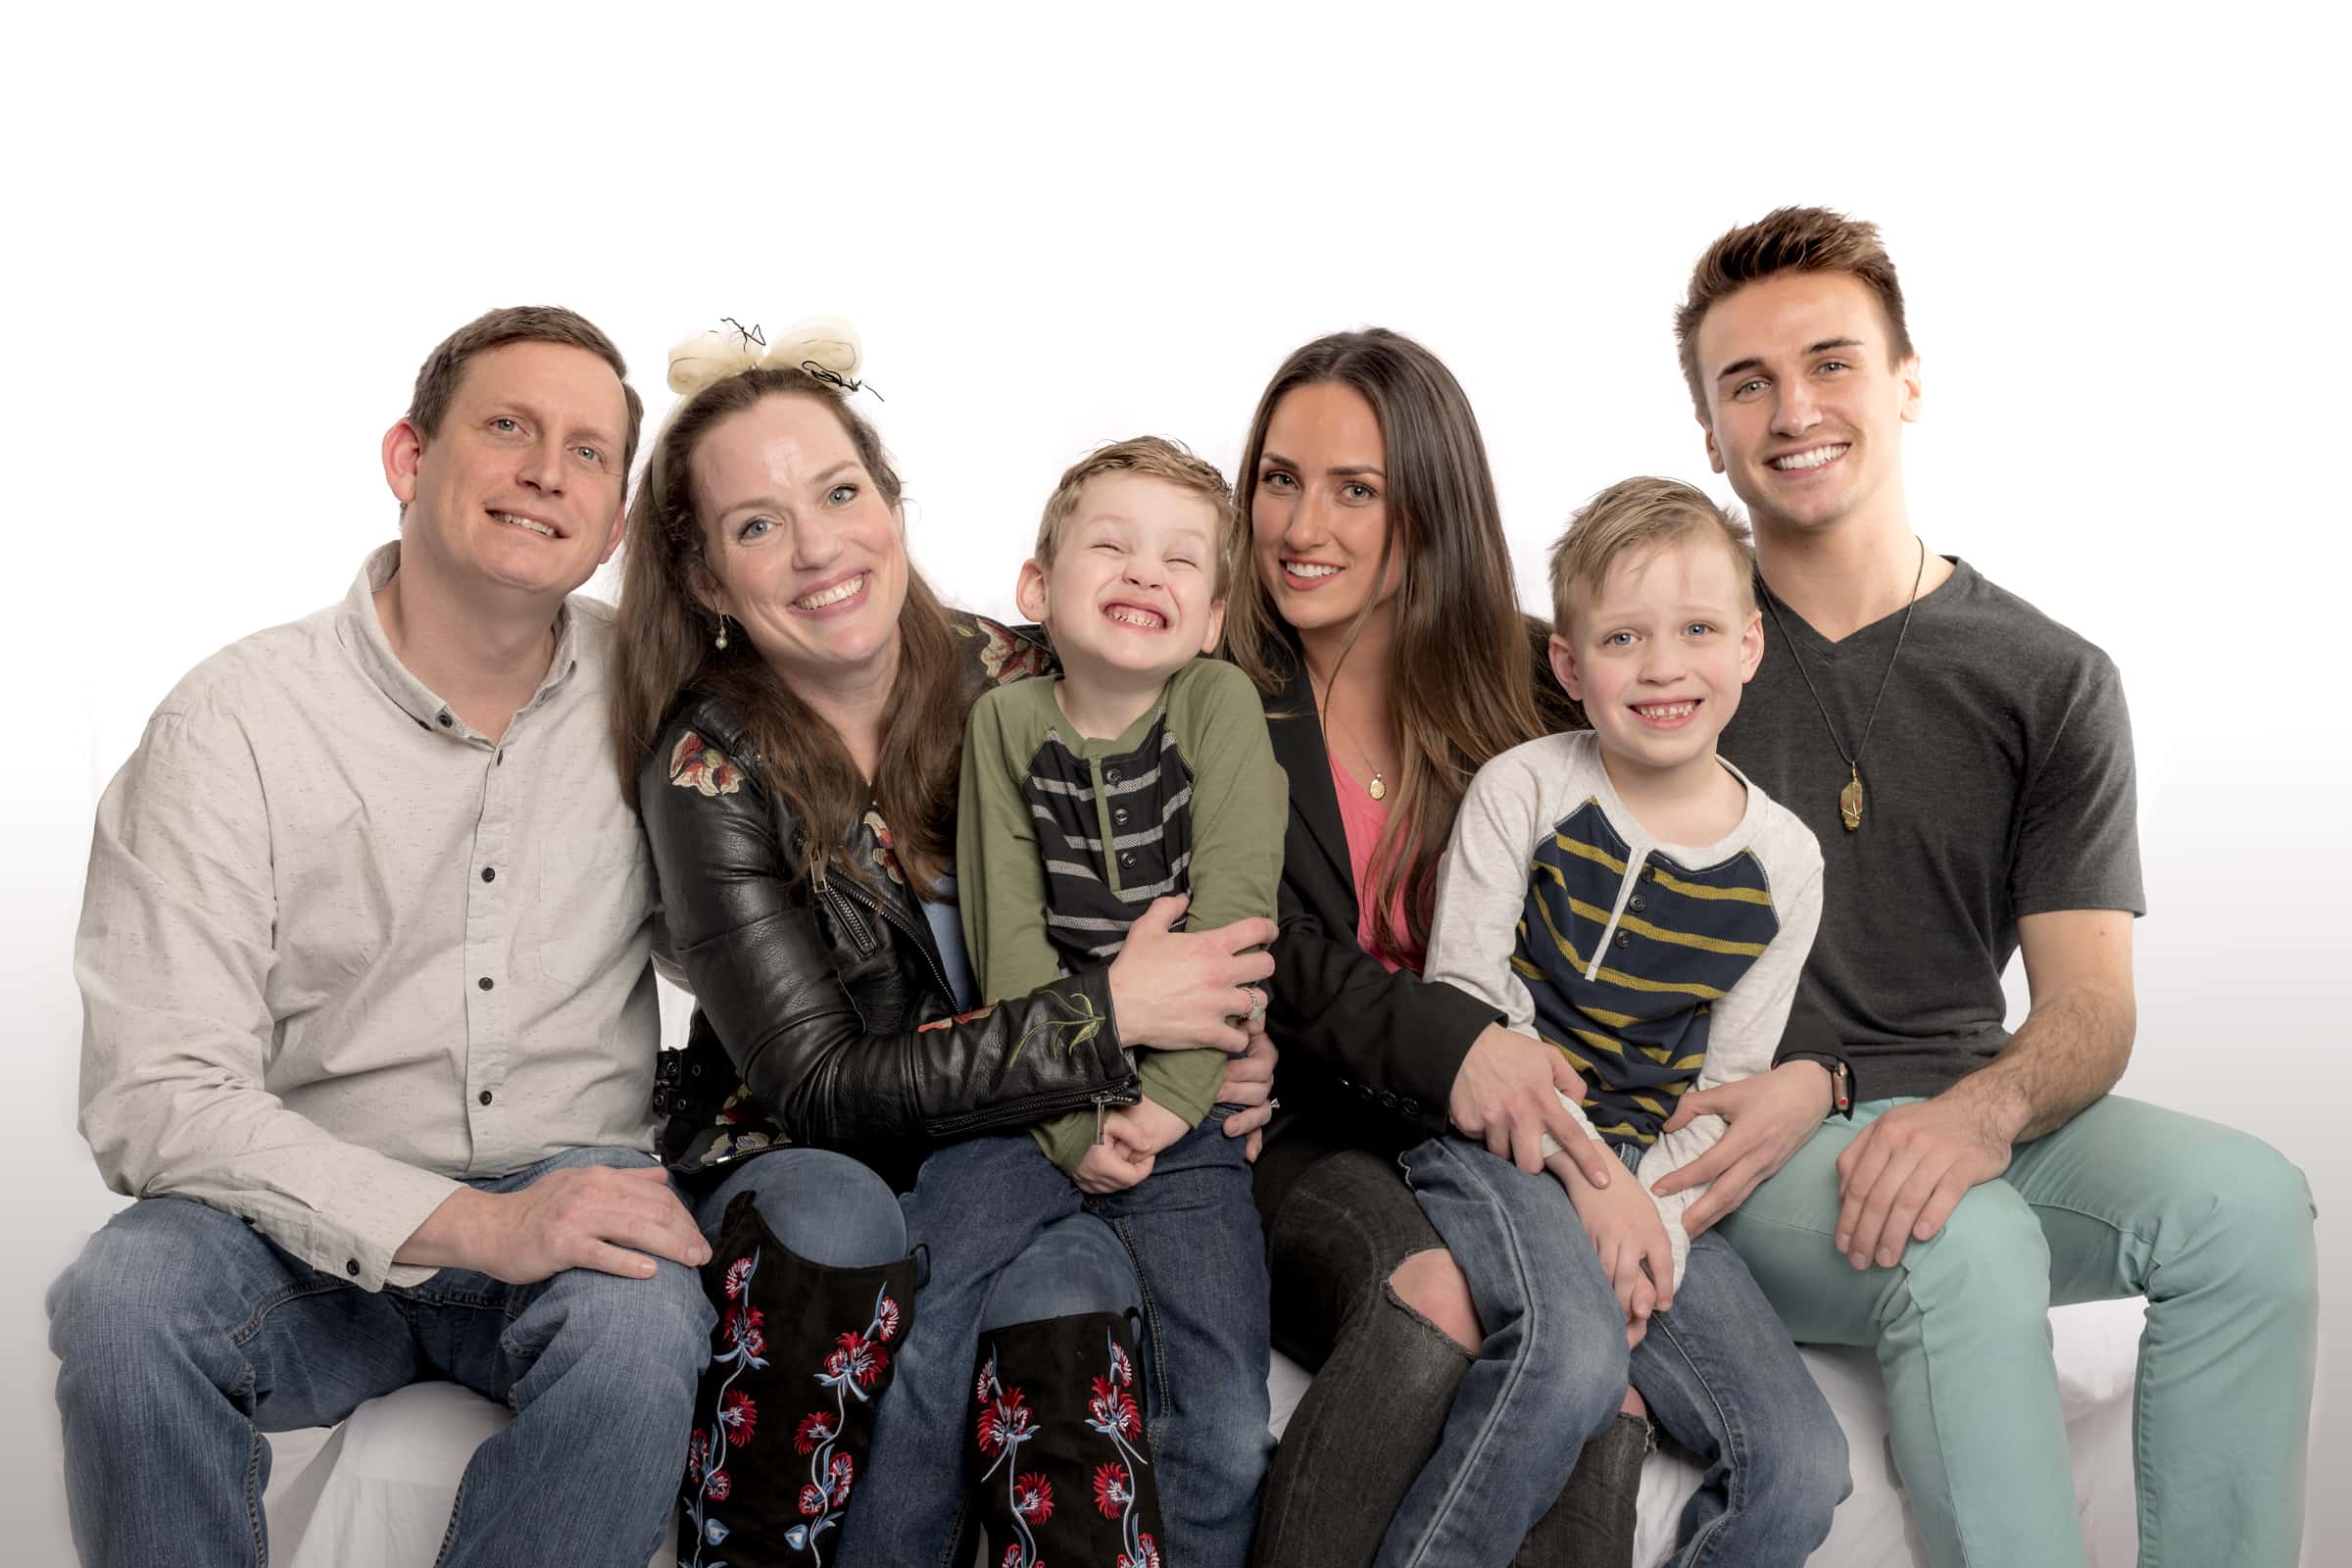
(1142, 771)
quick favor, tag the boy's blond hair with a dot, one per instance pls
(1155, 457)
(1634, 517)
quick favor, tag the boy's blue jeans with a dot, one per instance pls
(184, 1335)
(1719, 1373)
(1191, 1229)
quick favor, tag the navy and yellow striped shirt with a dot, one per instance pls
(1652, 967)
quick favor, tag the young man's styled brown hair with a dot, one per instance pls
(1634, 517)
(1790, 239)
(1155, 457)
(437, 378)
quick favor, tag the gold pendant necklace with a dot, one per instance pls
(1849, 799)
(1378, 789)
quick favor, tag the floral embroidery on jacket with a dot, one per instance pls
(697, 764)
(883, 855)
(1003, 656)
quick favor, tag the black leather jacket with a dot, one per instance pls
(823, 1014)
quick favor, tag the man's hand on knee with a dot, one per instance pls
(599, 1217)
(1766, 1120)
(1904, 1173)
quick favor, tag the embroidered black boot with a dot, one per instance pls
(1063, 1473)
(784, 1417)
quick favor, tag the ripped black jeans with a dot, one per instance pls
(1384, 1379)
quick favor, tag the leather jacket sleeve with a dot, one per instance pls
(768, 969)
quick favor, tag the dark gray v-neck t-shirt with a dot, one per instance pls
(1998, 783)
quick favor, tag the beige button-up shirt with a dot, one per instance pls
(339, 951)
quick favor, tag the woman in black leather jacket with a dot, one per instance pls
(790, 708)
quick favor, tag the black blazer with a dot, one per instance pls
(1368, 1057)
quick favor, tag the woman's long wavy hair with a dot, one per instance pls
(665, 649)
(1461, 672)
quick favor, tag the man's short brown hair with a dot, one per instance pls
(1155, 457)
(1791, 239)
(437, 378)
(1634, 517)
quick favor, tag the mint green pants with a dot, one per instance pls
(2212, 1225)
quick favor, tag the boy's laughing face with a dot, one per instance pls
(1131, 593)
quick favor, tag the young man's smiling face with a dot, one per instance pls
(1805, 408)
(520, 487)
(1132, 590)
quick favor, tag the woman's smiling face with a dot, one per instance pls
(802, 548)
(1318, 507)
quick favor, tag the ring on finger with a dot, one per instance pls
(1257, 1003)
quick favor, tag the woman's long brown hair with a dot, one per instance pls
(666, 648)
(1461, 672)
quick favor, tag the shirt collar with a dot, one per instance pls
(362, 631)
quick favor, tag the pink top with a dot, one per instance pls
(1363, 817)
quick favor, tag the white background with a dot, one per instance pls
(235, 235)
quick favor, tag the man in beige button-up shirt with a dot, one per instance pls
(364, 957)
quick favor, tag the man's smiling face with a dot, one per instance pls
(521, 485)
(1805, 405)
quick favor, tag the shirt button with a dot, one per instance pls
(1119, 816)
(485, 982)
(1637, 904)
(351, 1267)
(1111, 773)
(1622, 941)
(489, 873)
(484, 1096)
(1127, 860)
(1649, 873)
(446, 720)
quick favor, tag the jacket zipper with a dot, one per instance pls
(1125, 1092)
(897, 921)
(844, 914)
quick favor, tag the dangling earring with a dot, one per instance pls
(722, 632)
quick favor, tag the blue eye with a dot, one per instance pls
(589, 455)
(504, 425)
(840, 495)
(1618, 639)
(1699, 628)
(753, 528)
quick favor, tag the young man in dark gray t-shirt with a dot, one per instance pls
(1966, 764)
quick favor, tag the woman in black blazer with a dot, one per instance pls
(1374, 606)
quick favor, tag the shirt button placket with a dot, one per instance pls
(488, 948)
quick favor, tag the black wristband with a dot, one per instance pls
(1842, 1079)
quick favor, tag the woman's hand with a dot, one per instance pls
(1507, 1094)
(1249, 1083)
(1182, 992)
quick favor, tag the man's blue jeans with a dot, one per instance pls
(1191, 1232)
(1719, 1373)
(184, 1335)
